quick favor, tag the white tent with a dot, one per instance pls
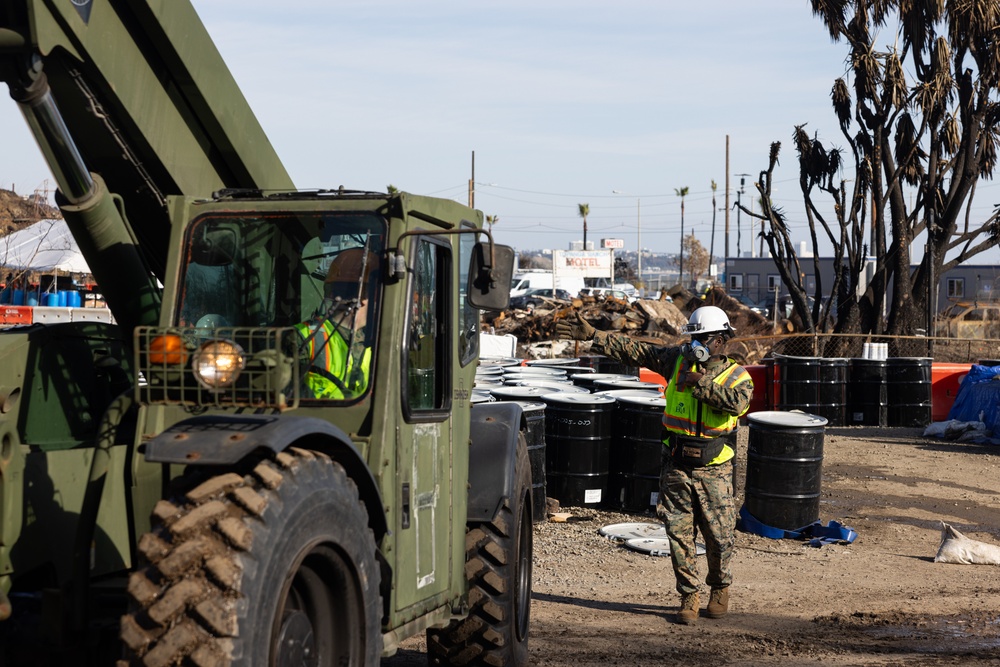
(46, 246)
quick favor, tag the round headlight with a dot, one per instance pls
(218, 363)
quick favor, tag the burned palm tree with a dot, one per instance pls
(920, 114)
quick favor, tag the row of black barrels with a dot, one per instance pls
(594, 449)
(853, 392)
(606, 450)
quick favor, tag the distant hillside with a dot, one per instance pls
(17, 212)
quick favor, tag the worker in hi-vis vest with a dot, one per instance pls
(334, 340)
(706, 394)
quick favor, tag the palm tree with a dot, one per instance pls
(584, 212)
(682, 193)
(491, 220)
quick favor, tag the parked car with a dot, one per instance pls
(538, 297)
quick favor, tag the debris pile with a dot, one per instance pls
(645, 319)
(17, 212)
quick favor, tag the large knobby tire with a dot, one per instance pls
(498, 557)
(274, 565)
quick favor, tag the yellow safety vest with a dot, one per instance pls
(687, 416)
(331, 359)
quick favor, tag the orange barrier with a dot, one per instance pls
(945, 381)
(646, 375)
(11, 315)
(761, 388)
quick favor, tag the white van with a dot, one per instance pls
(544, 280)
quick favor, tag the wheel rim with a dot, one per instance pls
(522, 572)
(320, 619)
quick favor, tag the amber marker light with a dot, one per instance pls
(167, 350)
(218, 363)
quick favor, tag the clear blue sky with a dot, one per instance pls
(562, 101)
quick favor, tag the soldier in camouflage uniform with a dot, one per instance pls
(706, 394)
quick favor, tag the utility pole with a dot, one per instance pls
(638, 236)
(472, 183)
(739, 196)
(726, 259)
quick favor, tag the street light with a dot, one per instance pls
(638, 234)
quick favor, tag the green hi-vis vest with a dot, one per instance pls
(687, 416)
(333, 373)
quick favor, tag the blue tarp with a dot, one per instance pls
(816, 533)
(978, 398)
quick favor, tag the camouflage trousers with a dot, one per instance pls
(698, 499)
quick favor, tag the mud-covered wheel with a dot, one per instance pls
(274, 565)
(498, 564)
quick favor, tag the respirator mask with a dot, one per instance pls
(695, 352)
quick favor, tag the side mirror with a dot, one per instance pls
(490, 276)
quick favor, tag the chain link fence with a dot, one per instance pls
(751, 350)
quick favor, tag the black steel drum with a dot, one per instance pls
(578, 441)
(784, 468)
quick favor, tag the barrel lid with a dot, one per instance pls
(515, 393)
(578, 399)
(594, 377)
(644, 401)
(638, 393)
(514, 378)
(657, 546)
(529, 405)
(552, 362)
(578, 370)
(629, 384)
(619, 532)
(489, 370)
(554, 385)
(535, 370)
(483, 382)
(791, 419)
(481, 398)
(912, 359)
(796, 359)
(499, 361)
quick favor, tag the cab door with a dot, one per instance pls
(425, 437)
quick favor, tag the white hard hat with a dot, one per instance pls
(709, 319)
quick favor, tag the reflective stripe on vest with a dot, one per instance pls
(681, 414)
(329, 354)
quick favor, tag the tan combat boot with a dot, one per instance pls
(718, 603)
(688, 613)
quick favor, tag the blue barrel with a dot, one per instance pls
(578, 443)
(18, 297)
(784, 468)
(634, 467)
(50, 299)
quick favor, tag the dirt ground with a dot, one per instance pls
(881, 600)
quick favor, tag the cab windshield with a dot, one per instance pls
(319, 273)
